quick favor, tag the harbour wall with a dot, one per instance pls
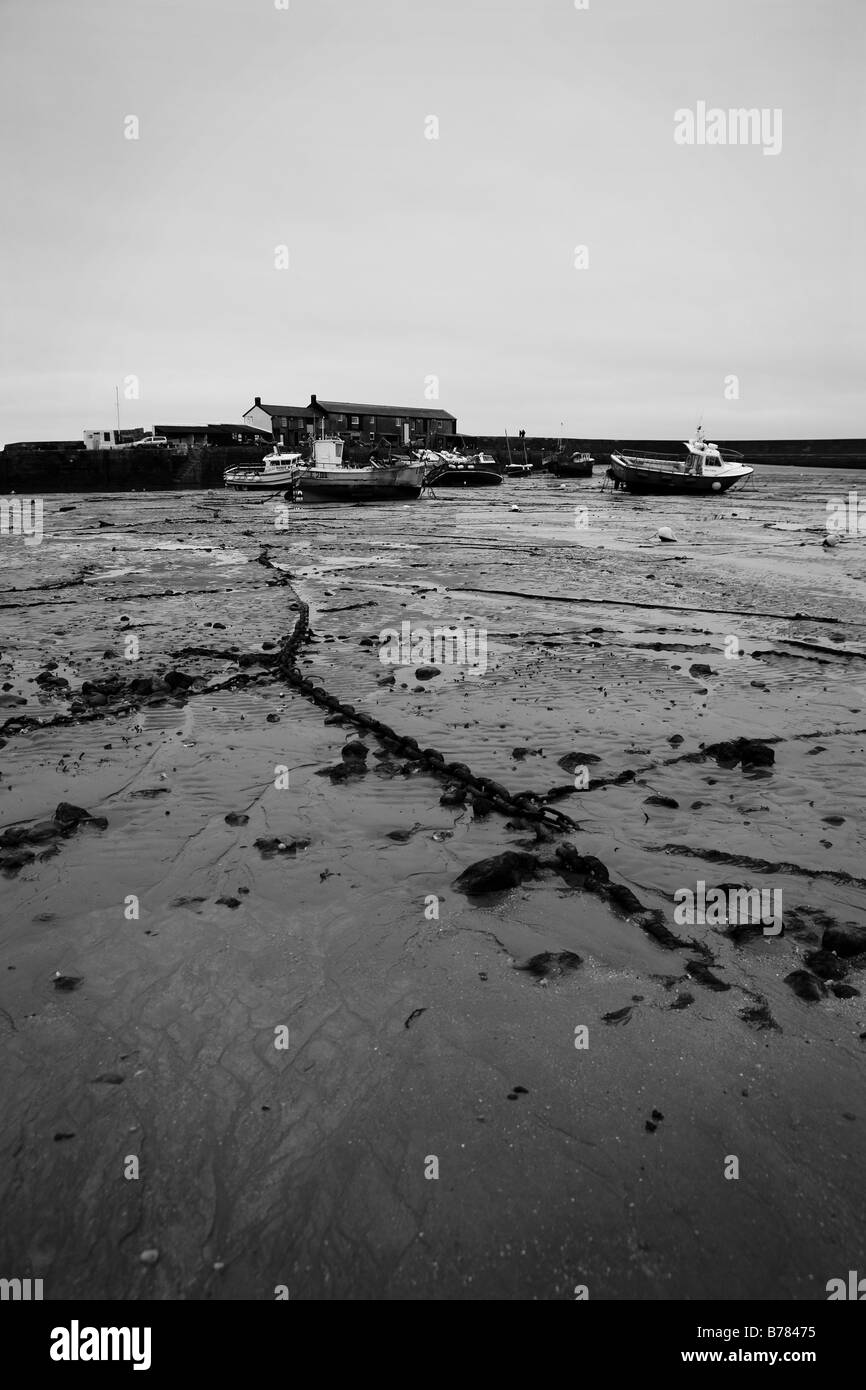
(120, 470)
(790, 453)
(36, 471)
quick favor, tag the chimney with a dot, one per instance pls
(257, 401)
(313, 401)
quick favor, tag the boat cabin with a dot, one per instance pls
(703, 456)
(328, 453)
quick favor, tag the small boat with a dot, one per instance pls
(458, 470)
(326, 478)
(571, 466)
(276, 471)
(702, 472)
(518, 470)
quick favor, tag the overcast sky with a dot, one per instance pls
(411, 257)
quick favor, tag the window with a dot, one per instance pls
(399, 421)
(107, 436)
(356, 420)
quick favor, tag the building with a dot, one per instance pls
(290, 424)
(181, 437)
(218, 436)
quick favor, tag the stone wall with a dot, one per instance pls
(146, 469)
(40, 471)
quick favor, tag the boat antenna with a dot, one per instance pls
(508, 446)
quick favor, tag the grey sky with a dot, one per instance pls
(412, 257)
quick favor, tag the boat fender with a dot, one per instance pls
(666, 534)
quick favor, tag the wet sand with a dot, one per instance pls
(411, 1038)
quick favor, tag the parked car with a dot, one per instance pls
(152, 439)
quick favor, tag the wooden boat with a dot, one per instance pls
(275, 472)
(703, 472)
(457, 470)
(326, 478)
(571, 466)
(518, 470)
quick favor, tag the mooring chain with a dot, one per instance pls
(525, 804)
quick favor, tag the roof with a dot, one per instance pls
(203, 429)
(284, 409)
(257, 429)
(353, 408)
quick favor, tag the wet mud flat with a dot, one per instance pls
(253, 1029)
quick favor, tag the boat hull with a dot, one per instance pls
(657, 480)
(570, 470)
(361, 484)
(463, 477)
(272, 482)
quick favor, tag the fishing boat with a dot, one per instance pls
(459, 470)
(702, 472)
(518, 470)
(275, 472)
(326, 478)
(576, 465)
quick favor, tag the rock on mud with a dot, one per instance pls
(751, 752)
(267, 848)
(551, 965)
(825, 964)
(845, 938)
(806, 986)
(70, 817)
(570, 762)
(354, 752)
(500, 872)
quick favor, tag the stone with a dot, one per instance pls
(571, 761)
(500, 872)
(825, 964)
(806, 986)
(550, 965)
(845, 938)
(354, 752)
(751, 752)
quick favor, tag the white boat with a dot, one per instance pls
(326, 478)
(702, 471)
(276, 471)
